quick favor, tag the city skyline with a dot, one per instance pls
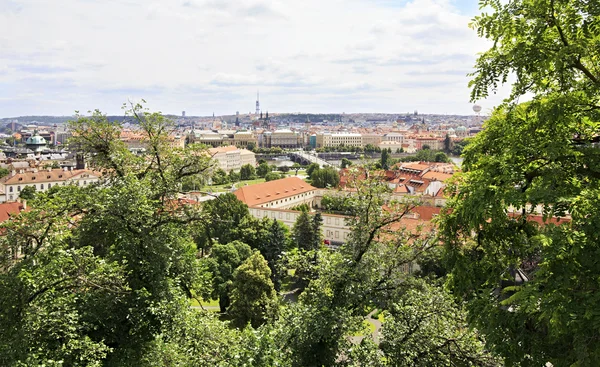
(207, 56)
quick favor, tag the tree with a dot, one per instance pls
(284, 169)
(263, 169)
(425, 327)
(302, 232)
(532, 288)
(220, 177)
(247, 172)
(223, 261)
(311, 168)
(102, 270)
(272, 249)
(346, 163)
(272, 176)
(4, 172)
(296, 167)
(447, 144)
(251, 146)
(28, 193)
(234, 176)
(325, 177)
(385, 157)
(224, 214)
(253, 295)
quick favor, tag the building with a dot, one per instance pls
(286, 193)
(326, 140)
(284, 138)
(371, 139)
(43, 180)
(36, 143)
(242, 139)
(232, 158)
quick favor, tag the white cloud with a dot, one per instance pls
(212, 55)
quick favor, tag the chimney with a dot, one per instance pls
(24, 204)
(13, 172)
(65, 169)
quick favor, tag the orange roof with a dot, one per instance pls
(6, 209)
(437, 176)
(415, 166)
(229, 148)
(258, 194)
(44, 176)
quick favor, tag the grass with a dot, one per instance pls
(368, 329)
(211, 303)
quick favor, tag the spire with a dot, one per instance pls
(267, 117)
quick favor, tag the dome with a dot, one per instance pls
(450, 130)
(461, 129)
(36, 139)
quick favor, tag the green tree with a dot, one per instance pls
(296, 167)
(425, 327)
(272, 248)
(221, 263)
(325, 177)
(385, 157)
(234, 176)
(253, 296)
(4, 172)
(103, 269)
(532, 288)
(28, 193)
(447, 144)
(220, 177)
(302, 232)
(224, 214)
(247, 172)
(346, 163)
(251, 146)
(263, 169)
(271, 176)
(311, 168)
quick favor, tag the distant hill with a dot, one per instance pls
(46, 120)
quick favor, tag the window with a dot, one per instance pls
(337, 234)
(41, 186)
(337, 221)
(84, 183)
(11, 189)
(19, 188)
(48, 177)
(49, 185)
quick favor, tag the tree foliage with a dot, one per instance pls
(532, 288)
(253, 293)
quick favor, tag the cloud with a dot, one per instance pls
(212, 55)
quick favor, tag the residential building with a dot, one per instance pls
(232, 158)
(325, 140)
(43, 180)
(282, 194)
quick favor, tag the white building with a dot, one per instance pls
(232, 158)
(44, 180)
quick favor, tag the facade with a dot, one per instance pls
(243, 138)
(43, 180)
(336, 139)
(284, 139)
(397, 137)
(232, 158)
(371, 139)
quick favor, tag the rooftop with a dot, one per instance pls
(258, 194)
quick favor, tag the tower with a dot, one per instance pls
(257, 104)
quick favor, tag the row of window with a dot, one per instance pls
(41, 186)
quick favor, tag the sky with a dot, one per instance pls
(205, 56)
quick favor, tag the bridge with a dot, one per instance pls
(311, 159)
(297, 156)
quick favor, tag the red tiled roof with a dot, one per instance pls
(8, 209)
(44, 176)
(273, 190)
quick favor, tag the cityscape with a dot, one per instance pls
(266, 183)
